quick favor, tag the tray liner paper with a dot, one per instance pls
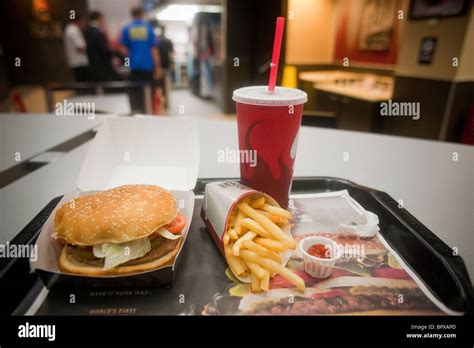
(370, 278)
(378, 284)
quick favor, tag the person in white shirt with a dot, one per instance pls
(76, 49)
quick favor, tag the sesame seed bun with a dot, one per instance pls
(118, 215)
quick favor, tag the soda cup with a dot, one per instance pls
(268, 125)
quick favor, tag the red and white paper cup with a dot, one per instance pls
(268, 124)
(220, 199)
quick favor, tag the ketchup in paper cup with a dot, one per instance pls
(319, 256)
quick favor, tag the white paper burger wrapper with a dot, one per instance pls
(220, 198)
(49, 249)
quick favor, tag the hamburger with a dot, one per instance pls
(124, 230)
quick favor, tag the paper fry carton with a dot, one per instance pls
(220, 199)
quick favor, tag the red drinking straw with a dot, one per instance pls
(280, 23)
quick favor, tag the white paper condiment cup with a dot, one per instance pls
(317, 267)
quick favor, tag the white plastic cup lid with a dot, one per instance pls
(260, 95)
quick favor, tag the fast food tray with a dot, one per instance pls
(201, 280)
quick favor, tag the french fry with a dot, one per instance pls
(235, 263)
(262, 251)
(279, 219)
(277, 211)
(266, 223)
(263, 212)
(254, 226)
(271, 244)
(232, 217)
(265, 280)
(232, 234)
(237, 220)
(274, 266)
(255, 269)
(226, 238)
(255, 283)
(248, 236)
(273, 217)
(253, 241)
(258, 203)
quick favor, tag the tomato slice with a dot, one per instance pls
(177, 225)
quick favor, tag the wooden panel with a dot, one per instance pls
(326, 102)
(250, 27)
(4, 83)
(314, 19)
(463, 99)
(432, 96)
(355, 115)
(36, 40)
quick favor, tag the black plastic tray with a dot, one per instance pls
(201, 271)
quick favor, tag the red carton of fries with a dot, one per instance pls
(252, 231)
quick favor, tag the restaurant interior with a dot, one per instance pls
(353, 58)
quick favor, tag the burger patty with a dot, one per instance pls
(159, 247)
(413, 299)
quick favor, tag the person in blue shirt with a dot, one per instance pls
(140, 44)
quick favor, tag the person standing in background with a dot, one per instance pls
(140, 43)
(166, 49)
(98, 51)
(75, 48)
